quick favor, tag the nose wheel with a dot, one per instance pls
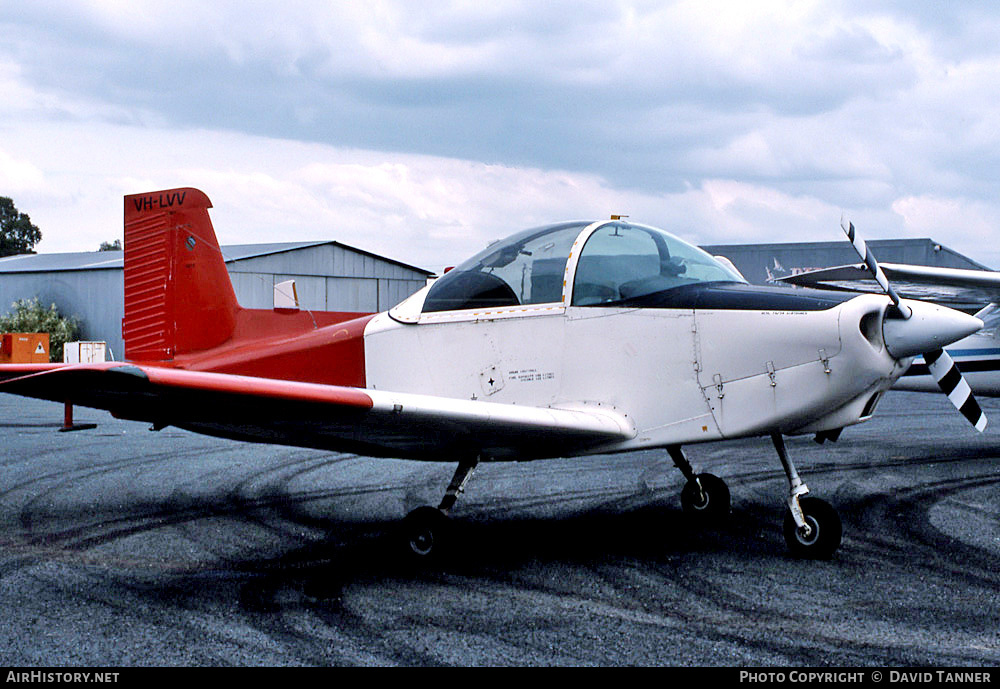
(820, 536)
(812, 527)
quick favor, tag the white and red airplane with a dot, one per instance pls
(570, 339)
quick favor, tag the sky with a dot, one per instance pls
(422, 130)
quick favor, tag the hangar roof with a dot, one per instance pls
(761, 262)
(113, 260)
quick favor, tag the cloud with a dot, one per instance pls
(964, 222)
(17, 176)
(426, 210)
(429, 129)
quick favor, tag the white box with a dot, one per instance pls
(84, 352)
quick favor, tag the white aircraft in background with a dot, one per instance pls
(978, 355)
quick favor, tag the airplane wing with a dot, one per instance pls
(8, 371)
(946, 285)
(370, 422)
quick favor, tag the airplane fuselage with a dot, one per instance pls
(803, 366)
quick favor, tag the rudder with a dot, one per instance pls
(178, 294)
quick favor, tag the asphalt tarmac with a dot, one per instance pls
(125, 547)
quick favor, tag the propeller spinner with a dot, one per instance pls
(920, 328)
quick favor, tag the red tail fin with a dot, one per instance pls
(178, 295)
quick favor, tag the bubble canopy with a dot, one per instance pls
(600, 264)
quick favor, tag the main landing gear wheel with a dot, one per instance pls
(425, 529)
(424, 533)
(707, 497)
(704, 496)
(822, 536)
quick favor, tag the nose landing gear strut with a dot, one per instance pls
(812, 527)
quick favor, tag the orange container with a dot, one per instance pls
(24, 348)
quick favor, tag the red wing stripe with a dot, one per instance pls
(247, 385)
(197, 380)
(9, 371)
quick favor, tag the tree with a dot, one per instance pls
(111, 246)
(17, 234)
(29, 316)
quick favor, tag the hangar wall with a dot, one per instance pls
(95, 296)
(328, 277)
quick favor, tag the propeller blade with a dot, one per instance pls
(944, 371)
(873, 267)
(933, 326)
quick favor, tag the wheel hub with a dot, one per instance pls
(808, 532)
(422, 542)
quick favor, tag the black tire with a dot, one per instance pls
(710, 503)
(826, 530)
(424, 532)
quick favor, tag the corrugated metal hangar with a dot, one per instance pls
(762, 262)
(329, 276)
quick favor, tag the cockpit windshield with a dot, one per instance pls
(619, 262)
(527, 268)
(624, 261)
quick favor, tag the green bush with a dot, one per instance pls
(29, 316)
